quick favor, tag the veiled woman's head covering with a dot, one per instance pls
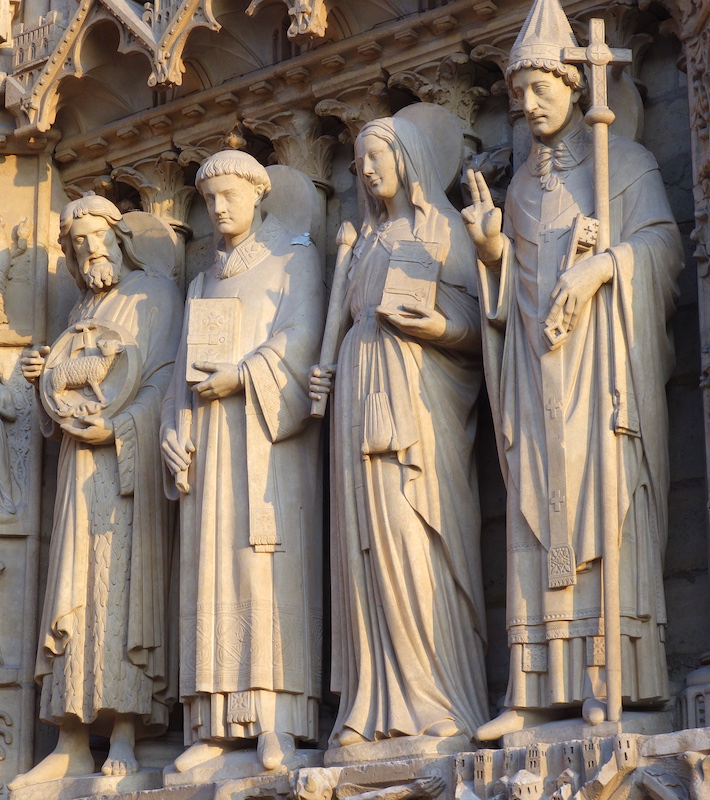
(415, 167)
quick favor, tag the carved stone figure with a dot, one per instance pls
(577, 353)
(8, 413)
(245, 456)
(102, 650)
(408, 617)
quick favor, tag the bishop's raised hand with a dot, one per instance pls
(483, 220)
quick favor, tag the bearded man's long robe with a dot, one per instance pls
(103, 635)
(582, 431)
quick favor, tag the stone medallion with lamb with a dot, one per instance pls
(93, 368)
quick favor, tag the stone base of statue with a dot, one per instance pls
(399, 747)
(648, 723)
(238, 765)
(91, 786)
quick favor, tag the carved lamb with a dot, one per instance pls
(86, 371)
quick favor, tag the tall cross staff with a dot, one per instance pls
(597, 56)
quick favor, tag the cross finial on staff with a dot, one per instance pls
(597, 55)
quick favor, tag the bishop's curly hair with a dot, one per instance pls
(569, 73)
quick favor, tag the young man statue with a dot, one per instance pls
(577, 352)
(245, 458)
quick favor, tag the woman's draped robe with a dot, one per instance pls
(250, 595)
(585, 424)
(103, 634)
(408, 614)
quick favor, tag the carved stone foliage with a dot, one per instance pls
(161, 184)
(357, 106)
(298, 142)
(455, 82)
(309, 18)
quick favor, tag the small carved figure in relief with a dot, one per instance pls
(8, 413)
(238, 437)
(7, 258)
(102, 650)
(576, 294)
(408, 616)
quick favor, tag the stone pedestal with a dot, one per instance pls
(91, 786)
(241, 766)
(648, 723)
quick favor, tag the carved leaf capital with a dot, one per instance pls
(452, 83)
(297, 142)
(358, 106)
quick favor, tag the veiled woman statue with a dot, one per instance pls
(408, 616)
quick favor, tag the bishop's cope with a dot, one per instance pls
(577, 283)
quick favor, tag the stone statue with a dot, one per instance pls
(577, 352)
(238, 437)
(102, 656)
(408, 615)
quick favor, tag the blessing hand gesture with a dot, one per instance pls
(483, 220)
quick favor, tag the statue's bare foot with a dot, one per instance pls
(121, 760)
(593, 711)
(197, 754)
(444, 728)
(511, 720)
(70, 758)
(348, 736)
(274, 748)
(121, 757)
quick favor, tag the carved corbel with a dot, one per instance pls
(309, 18)
(357, 106)
(160, 183)
(298, 142)
(456, 83)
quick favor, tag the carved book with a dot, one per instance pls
(413, 275)
(212, 333)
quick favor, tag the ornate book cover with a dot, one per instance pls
(413, 275)
(212, 333)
